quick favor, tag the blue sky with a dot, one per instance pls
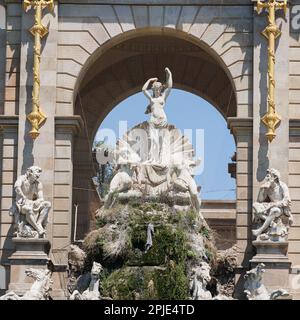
(188, 111)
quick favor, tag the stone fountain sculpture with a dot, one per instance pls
(255, 290)
(150, 224)
(76, 259)
(30, 210)
(199, 279)
(39, 290)
(273, 209)
(154, 160)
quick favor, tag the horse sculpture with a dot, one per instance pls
(255, 290)
(40, 288)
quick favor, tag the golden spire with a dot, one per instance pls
(37, 117)
(271, 119)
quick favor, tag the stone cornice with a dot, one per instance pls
(237, 124)
(154, 2)
(294, 127)
(8, 121)
(73, 123)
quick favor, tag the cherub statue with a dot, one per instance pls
(273, 204)
(30, 210)
(158, 118)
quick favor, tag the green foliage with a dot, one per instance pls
(161, 272)
(172, 284)
(129, 283)
(146, 206)
(101, 222)
(191, 254)
(205, 232)
(122, 284)
(191, 217)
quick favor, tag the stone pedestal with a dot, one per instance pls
(277, 264)
(29, 253)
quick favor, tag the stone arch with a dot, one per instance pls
(145, 55)
(121, 71)
(89, 43)
(85, 34)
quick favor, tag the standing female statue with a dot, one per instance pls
(158, 118)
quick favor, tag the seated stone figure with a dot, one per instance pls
(30, 210)
(273, 204)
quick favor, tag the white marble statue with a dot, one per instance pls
(255, 290)
(76, 258)
(199, 279)
(158, 118)
(39, 290)
(30, 210)
(273, 209)
(186, 182)
(126, 173)
(92, 292)
(163, 172)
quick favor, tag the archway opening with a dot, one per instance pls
(197, 119)
(120, 72)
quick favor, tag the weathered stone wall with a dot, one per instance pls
(8, 168)
(10, 26)
(294, 185)
(294, 139)
(12, 58)
(2, 53)
(221, 217)
(62, 201)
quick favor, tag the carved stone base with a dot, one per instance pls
(29, 253)
(277, 264)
